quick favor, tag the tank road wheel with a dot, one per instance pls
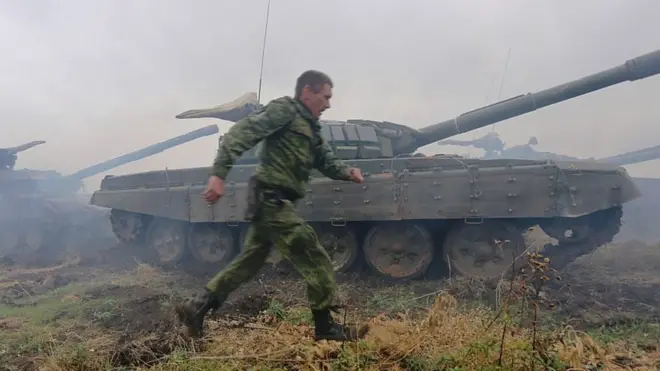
(398, 251)
(341, 244)
(126, 226)
(33, 237)
(211, 243)
(483, 250)
(167, 239)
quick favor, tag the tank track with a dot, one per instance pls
(50, 240)
(605, 225)
(142, 230)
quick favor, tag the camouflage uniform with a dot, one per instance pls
(292, 146)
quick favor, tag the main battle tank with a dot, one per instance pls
(411, 209)
(41, 212)
(494, 148)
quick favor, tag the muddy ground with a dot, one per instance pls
(118, 311)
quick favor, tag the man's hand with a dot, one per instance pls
(355, 175)
(214, 190)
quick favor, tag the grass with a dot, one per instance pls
(635, 334)
(68, 328)
(36, 323)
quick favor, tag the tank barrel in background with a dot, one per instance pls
(633, 69)
(633, 157)
(8, 156)
(144, 152)
(24, 147)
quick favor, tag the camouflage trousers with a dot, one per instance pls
(277, 223)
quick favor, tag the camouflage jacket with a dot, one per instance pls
(293, 146)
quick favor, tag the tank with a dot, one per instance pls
(636, 214)
(494, 147)
(42, 213)
(412, 211)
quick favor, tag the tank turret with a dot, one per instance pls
(395, 140)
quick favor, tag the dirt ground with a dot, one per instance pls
(111, 311)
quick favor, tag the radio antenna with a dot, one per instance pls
(263, 53)
(499, 94)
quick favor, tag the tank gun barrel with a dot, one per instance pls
(24, 147)
(634, 69)
(144, 152)
(634, 157)
(455, 142)
(489, 142)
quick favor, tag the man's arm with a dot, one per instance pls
(247, 133)
(328, 164)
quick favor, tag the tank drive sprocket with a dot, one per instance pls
(598, 229)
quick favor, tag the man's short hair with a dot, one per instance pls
(315, 79)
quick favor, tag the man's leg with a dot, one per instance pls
(244, 266)
(298, 243)
(240, 270)
(301, 247)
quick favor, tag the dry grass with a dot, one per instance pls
(446, 338)
(69, 330)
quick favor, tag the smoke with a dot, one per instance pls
(100, 79)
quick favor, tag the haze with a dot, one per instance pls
(97, 79)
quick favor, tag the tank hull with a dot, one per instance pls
(416, 188)
(429, 198)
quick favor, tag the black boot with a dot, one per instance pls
(326, 328)
(192, 312)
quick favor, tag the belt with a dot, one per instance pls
(271, 192)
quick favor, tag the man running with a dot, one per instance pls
(292, 147)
